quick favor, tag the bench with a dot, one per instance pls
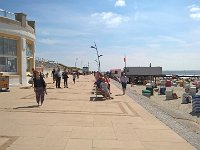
(96, 97)
(97, 94)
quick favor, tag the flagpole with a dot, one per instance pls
(125, 64)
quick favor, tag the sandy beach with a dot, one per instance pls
(161, 99)
(175, 108)
(172, 105)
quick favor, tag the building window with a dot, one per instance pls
(29, 51)
(28, 65)
(29, 56)
(8, 55)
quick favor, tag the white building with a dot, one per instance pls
(17, 46)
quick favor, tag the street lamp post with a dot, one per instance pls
(96, 62)
(99, 62)
(98, 56)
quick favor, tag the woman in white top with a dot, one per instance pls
(124, 81)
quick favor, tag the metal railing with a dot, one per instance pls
(4, 13)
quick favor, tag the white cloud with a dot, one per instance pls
(194, 8)
(111, 20)
(120, 3)
(195, 12)
(195, 16)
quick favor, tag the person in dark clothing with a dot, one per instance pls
(98, 82)
(39, 88)
(58, 78)
(53, 75)
(65, 77)
(34, 72)
(74, 77)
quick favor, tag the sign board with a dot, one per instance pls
(4, 82)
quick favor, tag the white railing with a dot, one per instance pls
(7, 14)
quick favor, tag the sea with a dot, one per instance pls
(182, 72)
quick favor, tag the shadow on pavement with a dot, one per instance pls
(32, 106)
(195, 114)
(119, 95)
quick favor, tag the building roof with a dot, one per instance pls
(143, 71)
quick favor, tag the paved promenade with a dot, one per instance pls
(68, 120)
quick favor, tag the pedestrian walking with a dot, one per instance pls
(124, 81)
(58, 78)
(53, 75)
(65, 78)
(74, 77)
(39, 88)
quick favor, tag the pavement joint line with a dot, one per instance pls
(131, 108)
(11, 140)
(28, 96)
(122, 108)
(92, 144)
(69, 92)
(65, 112)
(59, 99)
(114, 130)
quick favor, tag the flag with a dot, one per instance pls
(125, 59)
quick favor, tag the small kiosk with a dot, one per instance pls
(4, 83)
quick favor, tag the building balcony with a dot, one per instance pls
(18, 19)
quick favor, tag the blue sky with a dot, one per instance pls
(163, 33)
